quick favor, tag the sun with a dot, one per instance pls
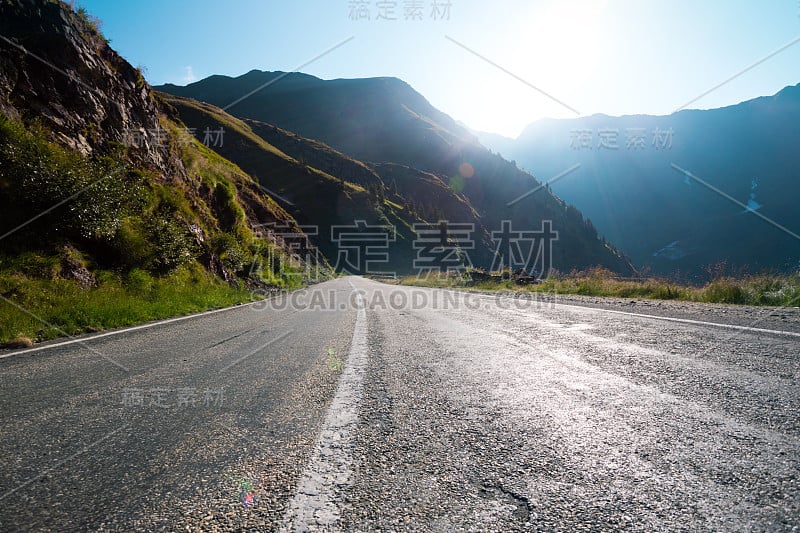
(552, 53)
(557, 47)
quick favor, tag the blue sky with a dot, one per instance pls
(593, 56)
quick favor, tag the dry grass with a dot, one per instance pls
(760, 289)
(20, 341)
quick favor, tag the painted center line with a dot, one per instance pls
(314, 507)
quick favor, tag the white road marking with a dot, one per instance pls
(313, 507)
(695, 322)
(85, 339)
(642, 315)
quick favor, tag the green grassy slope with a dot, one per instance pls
(312, 196)
(108, 215)
(125, 245)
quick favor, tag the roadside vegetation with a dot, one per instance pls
(759, 289)
(115, 245)
(35, 309)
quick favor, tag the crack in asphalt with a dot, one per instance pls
(524, 509)
(229, 339)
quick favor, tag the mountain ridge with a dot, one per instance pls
(641, 199)
(384, 120)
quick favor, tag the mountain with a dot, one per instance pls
(741, 168)
(499, 143)
(387, 125)
(319, 200)
(362, 116)
(101, 170)
(425, 196)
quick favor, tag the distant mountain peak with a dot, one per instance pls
(638, 200)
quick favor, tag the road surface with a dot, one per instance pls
(360, 406)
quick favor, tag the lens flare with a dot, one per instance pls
(466, 170)
(456, 184)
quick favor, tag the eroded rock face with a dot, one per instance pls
(73, 268)
(56, 67)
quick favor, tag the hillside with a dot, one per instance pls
(360, 117)
(383, 120)
(316, 198)
(663, 218)
(426, 196)
(103, 193)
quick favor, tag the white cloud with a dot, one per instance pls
(188, 75)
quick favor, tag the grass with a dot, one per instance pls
(49, 308)
(140, 255)
(761, 289)
(393, 204)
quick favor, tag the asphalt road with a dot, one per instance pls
(359, 406)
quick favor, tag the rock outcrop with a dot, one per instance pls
(62, 72)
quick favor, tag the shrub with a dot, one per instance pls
(76, 197)
(133, 245)
(726, 291)
(234, 256)
(175, 245)
(138, 281)
(230, 214)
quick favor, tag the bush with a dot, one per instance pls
(234, 256)
(139, 281)
(132, 244)
(76, 197)
(726, 291)
(230, 214)
(174, 243)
